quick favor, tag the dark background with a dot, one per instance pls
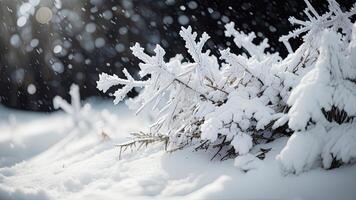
(120, 23)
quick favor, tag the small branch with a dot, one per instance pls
(216, 88)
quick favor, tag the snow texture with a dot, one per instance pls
(78, 163)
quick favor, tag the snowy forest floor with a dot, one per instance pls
(42, 156)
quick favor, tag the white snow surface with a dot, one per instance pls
(43, 156)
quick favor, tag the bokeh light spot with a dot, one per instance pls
(44, 15)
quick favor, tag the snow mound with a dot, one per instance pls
(302, 151)
(22, 194)
(79, 163)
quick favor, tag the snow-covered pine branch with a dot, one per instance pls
(316, 23)
(298, 63)
(171, 79)
(245, 41)
(323, 102)
(236, 101)
(207, 67)
(106, 82)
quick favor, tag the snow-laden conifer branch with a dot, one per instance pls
(194, 48)
(206, 66)
(240, 101)
(158, 69)
(333, 18)
(321, 105)
(142, 139)
(241, 62)
(107, 81)
(245, 41)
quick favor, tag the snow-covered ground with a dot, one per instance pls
(43, 156)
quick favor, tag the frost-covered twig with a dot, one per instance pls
(142, 139)
(245, 41)
(107, 81)
(74, 109)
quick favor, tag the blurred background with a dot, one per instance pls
(46, 45)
